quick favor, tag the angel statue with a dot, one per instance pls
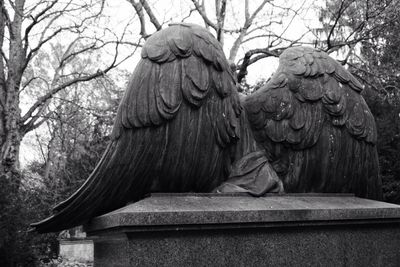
(180, 127)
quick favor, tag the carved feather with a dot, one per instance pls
(312, 119)
(174, 128)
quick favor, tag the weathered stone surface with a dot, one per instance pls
(211, 230)
(317, 129)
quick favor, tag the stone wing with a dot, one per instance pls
(315, 126)
(181, 65)
(175, 123)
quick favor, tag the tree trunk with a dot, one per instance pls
(3, 86)
(10, 113)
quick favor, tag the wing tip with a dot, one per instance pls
(43, 226)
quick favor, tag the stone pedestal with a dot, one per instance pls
(239, 230)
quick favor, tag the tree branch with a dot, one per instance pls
(35, 19)
(339, 14)
(247, 61)
(139, 11)
(243, 31)
(220, 21)
(152, 17)
(6, 17)
(31, 80)
(28, 121)
(43, 40)
(203, 14)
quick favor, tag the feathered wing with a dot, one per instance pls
(316, 127)
(173, 129)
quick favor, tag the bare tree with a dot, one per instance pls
(28, 29)
(237, 25)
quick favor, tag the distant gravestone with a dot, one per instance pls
(75, 247)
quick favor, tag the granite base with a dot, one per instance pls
(227, 230)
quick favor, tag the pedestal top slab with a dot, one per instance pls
(241, 210)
